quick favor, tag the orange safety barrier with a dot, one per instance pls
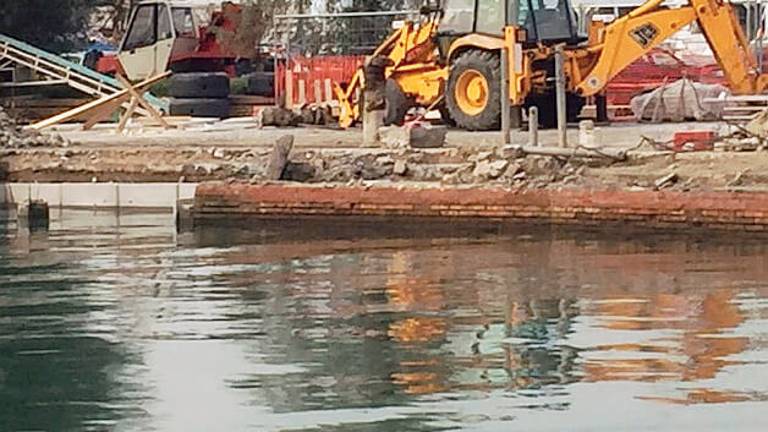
(306, 80)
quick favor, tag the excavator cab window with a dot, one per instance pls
(545, 21)
(548, 21)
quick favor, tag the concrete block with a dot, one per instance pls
(415, 136)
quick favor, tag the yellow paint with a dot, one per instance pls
(471, 92)
(475, 40)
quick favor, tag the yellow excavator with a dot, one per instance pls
(451, 59)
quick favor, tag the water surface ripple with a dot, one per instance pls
(115, 322)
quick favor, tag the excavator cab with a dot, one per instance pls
(546, 22)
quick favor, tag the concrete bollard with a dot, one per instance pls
(372, 121)
(587, 133)
(34, 214)
(533, 126)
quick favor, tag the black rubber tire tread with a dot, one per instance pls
(445, 116)
(489, 65)
(218, 108)
(396, 103)
(261, 84)
(199, 85)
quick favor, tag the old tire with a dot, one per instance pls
(396, 103)
(199, 85)
(261, 84)
(218, 108)
(473, 96)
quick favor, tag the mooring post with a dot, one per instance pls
(562, 119)
(533, 126)
(505, 114)
(34, 214)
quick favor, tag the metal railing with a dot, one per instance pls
(351, 33)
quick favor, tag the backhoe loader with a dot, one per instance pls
(451, 59)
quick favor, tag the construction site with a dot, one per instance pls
(383, 215)
(542, 101)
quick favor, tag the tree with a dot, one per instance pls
(56, 25)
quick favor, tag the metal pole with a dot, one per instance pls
(533, 126)
(761, 36)
(505, 127)
(562, 139)
(749, 20)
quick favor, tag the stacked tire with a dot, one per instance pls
(261, 84)
(199, 94)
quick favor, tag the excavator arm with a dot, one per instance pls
(411, 51)
(630, 37)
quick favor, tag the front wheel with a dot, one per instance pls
(473, 94)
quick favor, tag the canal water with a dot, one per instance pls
(116, 322)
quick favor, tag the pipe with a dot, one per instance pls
(505, 120)
(562, 119)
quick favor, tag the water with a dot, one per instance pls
(117, 323)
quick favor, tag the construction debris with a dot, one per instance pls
(414, 134)
(12, 136)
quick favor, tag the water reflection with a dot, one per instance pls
(117, 322)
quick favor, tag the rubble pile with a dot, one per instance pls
(13, 137)
(445, 166)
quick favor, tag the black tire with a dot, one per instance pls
(445, 116)
(218, 108)
(396, 103)
(199, 85)
(488, 65)
(547, 105)
(261, 84)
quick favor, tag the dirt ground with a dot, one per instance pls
(243, 132)
(239, 151)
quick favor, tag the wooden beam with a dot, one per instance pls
(138, 96)
(85, 109)
(127, 115)
(101, 113)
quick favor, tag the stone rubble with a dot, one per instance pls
(12, 136)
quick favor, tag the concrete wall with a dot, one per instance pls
(99, 195)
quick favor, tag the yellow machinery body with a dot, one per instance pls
(423, 73)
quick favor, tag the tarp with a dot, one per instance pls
(680, 101)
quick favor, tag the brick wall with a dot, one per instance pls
(723, 210)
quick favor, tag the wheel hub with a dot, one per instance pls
(472, 92)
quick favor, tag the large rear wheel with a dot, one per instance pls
(474, 91)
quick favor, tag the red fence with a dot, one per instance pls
(306, 80)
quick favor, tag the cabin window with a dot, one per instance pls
(142, 31)
(491, 17)
(164, 30)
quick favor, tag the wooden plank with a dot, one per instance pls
(289, 89)
(302, 93)
(741, 98)
(33, 102)
(100, 114)
(328, 90)
(251, 100)
(120, 96)
(744, 108)
(318, 94)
